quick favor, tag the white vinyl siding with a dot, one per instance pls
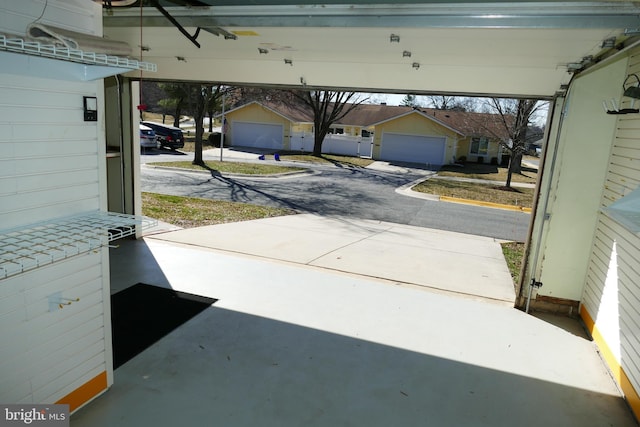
(52, 165)
(612, 289)
(48, 154)
(49, 350)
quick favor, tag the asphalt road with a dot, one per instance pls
(341, 191)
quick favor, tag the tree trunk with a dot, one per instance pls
(176, 118)
(509, 173)
(198, 117)
(177, 112)
(516, 163)
(197, 156)
(317, 144)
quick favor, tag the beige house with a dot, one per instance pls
(390, 133)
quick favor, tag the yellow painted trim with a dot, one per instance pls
(85, 392)
(630, 393)
(485, 204)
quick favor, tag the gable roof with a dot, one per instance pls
(471, 123)
(365, 115)
(286, 111)
(420, 113)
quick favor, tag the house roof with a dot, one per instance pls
(287, 111)
(471, 123)
(366, 115)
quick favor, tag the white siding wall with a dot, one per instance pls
(51, 165)
(48, 154)
(48, 354)
(612, 289)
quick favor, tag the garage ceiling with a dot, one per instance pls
(473, 48)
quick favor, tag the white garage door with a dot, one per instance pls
(257, 135)
(412, 148)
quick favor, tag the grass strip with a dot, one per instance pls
(481, 192)
(514, 253)
(232, 167)
(489, 173)
(189, 212)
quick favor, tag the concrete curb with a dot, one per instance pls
(484, 204)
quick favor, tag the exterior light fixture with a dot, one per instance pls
(288, 62)
(406, 54)
(416, 65)
(263, 50)
(394, 38)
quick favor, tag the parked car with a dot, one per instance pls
(148, 138)
(168, 136)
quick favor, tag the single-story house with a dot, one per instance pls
(391, 133)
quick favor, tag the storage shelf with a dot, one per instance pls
(26, 248)
(18, 45)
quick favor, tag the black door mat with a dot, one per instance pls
(142, 314)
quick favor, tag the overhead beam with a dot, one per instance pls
(572, 15)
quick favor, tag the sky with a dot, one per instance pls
(396, 99)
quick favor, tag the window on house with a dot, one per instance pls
(479, 146)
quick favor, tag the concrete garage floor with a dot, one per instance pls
(292, 343)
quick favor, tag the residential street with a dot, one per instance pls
(363, 193)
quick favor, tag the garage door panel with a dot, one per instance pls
(413, 148)
(258, 135)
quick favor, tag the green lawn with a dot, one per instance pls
(232, 167)
(514, 253)
(522, 197)
(489, 172)
(188, 212)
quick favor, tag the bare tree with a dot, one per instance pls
(178, 94)
(442, 102)
(201, 98)
(327, 107)
(167, 106)
(515, 115)
(459, 103)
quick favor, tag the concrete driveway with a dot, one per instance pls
(293, 342)
(436, 259)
